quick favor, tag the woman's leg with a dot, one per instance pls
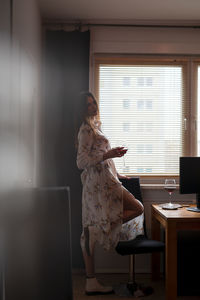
(88, 253)
(93, 287)
(132, 207)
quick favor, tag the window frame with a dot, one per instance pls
(194, 112)
(190, 66)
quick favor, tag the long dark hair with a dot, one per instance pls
(83, 106)
(82, 116)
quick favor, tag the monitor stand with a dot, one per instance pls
(197, 208)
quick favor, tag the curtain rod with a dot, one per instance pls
(80, 24)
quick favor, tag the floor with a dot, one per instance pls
(119, 280)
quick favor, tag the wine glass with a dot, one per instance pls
(170, 186)
(123, 143)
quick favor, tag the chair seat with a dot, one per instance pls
(141, 244)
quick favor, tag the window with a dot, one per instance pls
(144, 126)
(126, 169)
(149, 81)
(148, 149)
(148, 126)
(140, 149)
(144, 170)
(144, 104)
(144, 81)
(144, 148)
(148, 104)
(140, 126)
(157, 135)
(140, 104)
(140, 81)
(126, 81)
(126, 103)
(126, 127)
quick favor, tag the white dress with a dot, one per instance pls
(102, 204)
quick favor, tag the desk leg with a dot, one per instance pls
(171, 261)
(155, 257)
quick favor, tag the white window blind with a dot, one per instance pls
(198, 113)
(152, 126)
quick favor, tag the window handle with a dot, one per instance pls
(185, 124)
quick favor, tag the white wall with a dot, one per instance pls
(142, 40)
(153, 41)
(25, 97)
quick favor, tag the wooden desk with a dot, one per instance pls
(172, 221)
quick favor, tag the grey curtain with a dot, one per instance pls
(66, 74)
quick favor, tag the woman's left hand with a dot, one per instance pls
(123, 176)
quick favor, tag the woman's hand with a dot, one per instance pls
(115, 152)
(122, 176)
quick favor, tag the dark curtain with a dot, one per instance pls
(66, 74)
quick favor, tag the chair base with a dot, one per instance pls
(139, 290)
(133, 289)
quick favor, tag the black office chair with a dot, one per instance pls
(141, 244)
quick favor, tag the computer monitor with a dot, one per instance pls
(189, 171)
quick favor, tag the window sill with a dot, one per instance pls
(154, 186)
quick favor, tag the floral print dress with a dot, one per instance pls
(102, 204)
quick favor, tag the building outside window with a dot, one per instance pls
(148, 149)
(144, 170)
(140, 170)
(140, 81)
(126, 127)
(144, 126)
(144, 149)
(126, 169)
(144, 104)
(126, 103)
(149, 81)
(140, 104)
(144, 81)
(140, 149)
(148, 104)
(126, 81)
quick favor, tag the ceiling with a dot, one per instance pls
(128, 11)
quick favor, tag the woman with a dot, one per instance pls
(106, 204)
